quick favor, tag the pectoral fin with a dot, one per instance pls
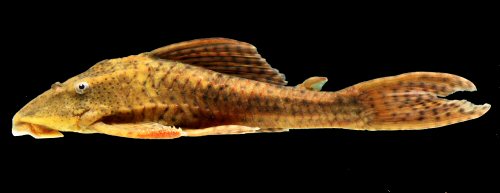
(138, 130)
(221, 130)
(314, 83)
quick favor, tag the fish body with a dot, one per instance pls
(220, 86)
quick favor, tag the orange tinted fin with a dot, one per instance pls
(220, 130)
(410, 101)
(222, 55)
(138, 130)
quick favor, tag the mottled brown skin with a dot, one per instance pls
(141, 96)
(142, 89)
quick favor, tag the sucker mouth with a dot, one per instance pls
(36, 131)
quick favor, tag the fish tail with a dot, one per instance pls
(412, 101)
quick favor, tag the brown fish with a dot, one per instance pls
(219, 86)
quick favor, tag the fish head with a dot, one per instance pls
(69, 106)
(57, 109)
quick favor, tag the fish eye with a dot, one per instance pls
(81, 87)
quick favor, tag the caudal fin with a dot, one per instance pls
(412, 101)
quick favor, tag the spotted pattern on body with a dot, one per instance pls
(221, 86)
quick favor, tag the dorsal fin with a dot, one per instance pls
(222, 55)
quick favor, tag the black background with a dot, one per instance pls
(346, 46)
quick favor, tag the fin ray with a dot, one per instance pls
(222, 55)
(138, 130)
(221, 130)
(412, 101)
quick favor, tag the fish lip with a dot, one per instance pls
(34, 130)
(17, 132)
